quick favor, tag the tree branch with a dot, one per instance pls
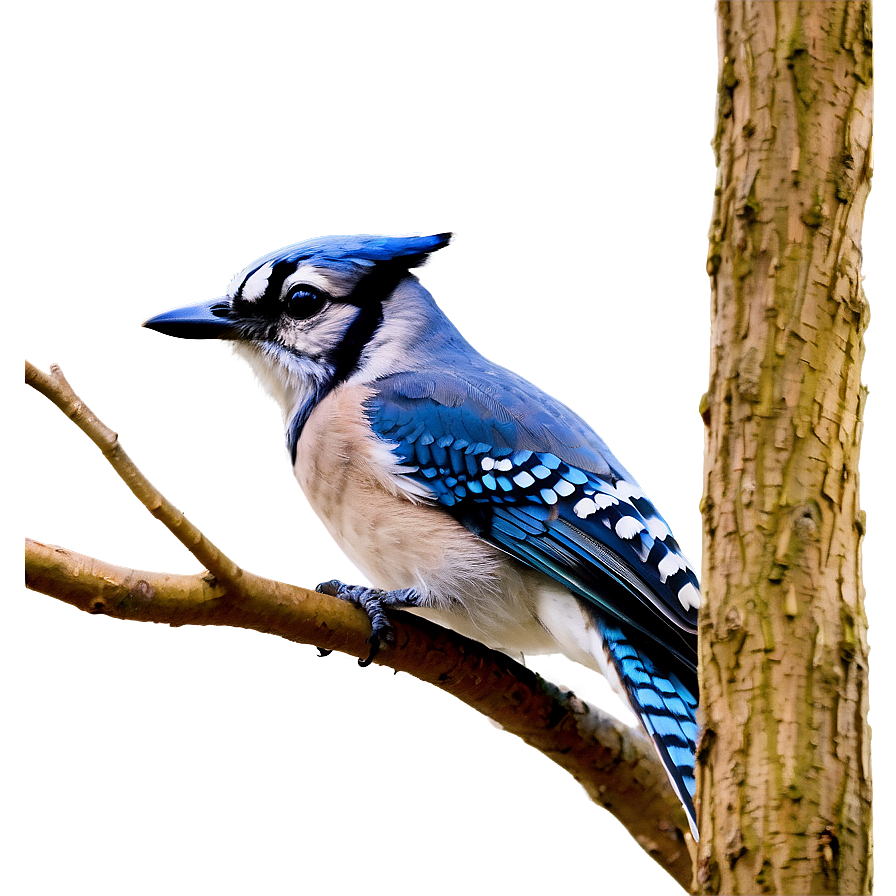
(55, 387)
(616, 765)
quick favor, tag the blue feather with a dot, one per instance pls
(534, 480)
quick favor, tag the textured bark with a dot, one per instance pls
(784, 760)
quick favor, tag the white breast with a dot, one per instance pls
(386, 524)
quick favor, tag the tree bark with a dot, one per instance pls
(784, 771)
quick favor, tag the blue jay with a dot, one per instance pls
(464, 492)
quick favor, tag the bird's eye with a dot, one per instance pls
(302, 302)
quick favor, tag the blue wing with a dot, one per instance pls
(524, 473)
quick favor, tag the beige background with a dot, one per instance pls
(157, 150)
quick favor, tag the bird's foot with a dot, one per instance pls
(374, 603)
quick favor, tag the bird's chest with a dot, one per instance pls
(352, 481)
(387, 525)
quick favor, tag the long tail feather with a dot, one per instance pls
(666, 707)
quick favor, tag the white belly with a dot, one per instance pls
(386, 526)
(391, 531)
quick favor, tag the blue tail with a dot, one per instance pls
(665, 706)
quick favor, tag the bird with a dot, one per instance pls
(461, 490)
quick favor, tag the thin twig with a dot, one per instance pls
(616, 765)
(55, 387)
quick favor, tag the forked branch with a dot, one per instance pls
(615, 764)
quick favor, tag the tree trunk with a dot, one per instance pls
(784, 761)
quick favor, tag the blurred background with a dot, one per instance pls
(155, 151)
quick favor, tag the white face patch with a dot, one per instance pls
(288, 379)
(329, 281)
(319, 335)
(334, 283)
(257, 283)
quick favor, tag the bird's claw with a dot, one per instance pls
(373, 602)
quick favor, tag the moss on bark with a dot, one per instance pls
(783, 767)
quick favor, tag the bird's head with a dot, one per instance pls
(305, 316)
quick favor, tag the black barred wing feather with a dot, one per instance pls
(526, 474)
(585, 522)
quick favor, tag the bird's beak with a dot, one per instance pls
(209, 320)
